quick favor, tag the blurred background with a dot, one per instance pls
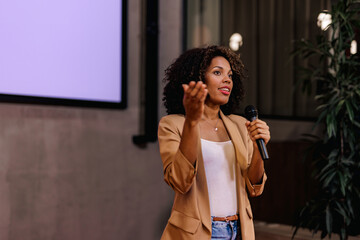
(70, 171)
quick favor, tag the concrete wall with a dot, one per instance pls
(69, 173)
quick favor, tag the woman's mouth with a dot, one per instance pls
(225, 90)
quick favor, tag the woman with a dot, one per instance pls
(209, 155)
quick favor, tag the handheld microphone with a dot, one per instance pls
(251, 114)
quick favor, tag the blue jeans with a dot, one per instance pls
(225, 230)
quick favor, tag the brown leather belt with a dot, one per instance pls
(226, 219)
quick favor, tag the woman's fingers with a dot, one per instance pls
(258, 129)
(189, 87)
(204, 93)
(257, 124)
(195, 91)
(265, 137)
(185, 87)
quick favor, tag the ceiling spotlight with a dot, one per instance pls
(353, 47)
(236, 41)
(324, 21)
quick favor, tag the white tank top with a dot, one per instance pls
(219, 161)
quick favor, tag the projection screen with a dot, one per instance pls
(63, 52)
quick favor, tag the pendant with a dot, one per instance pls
(216, 129)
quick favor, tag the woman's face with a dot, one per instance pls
(218, 78)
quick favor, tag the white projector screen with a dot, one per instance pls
(63, 51)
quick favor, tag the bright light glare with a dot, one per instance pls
(236, 41)
(353, 47)
(324, 21)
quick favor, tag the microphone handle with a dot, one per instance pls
(261, 144)
(262, 149)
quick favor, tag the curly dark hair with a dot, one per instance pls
(191, 66)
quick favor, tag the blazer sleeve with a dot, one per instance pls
(179, 173)
(254, 190)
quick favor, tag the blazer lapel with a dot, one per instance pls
(203, 199)
(240, 150)
(238, 143)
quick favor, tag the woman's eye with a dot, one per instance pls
(230, 76)
(217, 72)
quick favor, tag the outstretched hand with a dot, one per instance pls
(194, 99)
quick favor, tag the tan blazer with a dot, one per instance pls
(190, 215)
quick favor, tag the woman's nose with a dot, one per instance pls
(227, 79)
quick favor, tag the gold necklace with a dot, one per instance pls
(215, 127)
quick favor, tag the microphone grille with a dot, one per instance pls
(250, 112)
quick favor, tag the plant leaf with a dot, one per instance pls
(328, 220)
(339, 105)
(349, 111)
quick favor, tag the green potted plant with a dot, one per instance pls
(336, 155)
